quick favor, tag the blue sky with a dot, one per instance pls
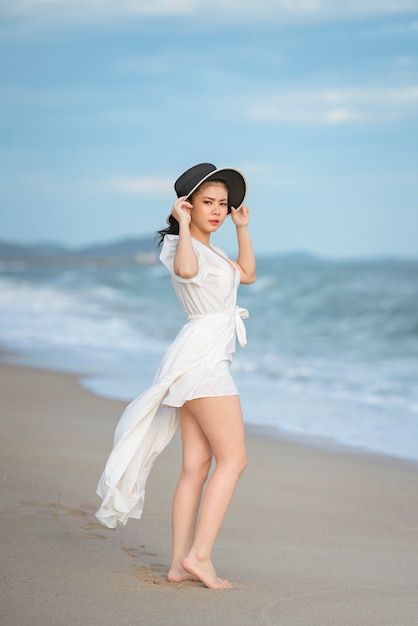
(103, 104)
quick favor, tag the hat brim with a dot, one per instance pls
(234, 180)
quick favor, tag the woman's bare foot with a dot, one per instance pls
(178, 574)
(205, 572)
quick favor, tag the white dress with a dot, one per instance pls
(195, 365)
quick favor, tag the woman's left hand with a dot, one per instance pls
(241, 216)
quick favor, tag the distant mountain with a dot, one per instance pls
(136, 250)
(144, 251)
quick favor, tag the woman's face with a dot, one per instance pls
(210, 208)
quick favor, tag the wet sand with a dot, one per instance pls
(314, 536)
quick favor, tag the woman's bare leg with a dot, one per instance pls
(197, 457)
(221, 421)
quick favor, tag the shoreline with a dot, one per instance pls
(313, 536)
(8, 357)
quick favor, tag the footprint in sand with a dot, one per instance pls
(92, 527)
(136, 554)
(155, 574)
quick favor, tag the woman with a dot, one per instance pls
(193, 385)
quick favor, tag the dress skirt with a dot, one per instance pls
(149, 422)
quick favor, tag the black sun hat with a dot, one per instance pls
(192, 178)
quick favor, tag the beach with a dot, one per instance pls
(314, 536)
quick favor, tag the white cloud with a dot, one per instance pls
(53, 184)
(331, 106)
(97, 10)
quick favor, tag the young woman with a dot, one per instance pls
(193, 385)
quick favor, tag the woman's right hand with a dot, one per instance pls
(181, 210)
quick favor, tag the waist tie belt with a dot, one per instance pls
(238, 314)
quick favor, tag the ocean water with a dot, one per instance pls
(332, 349)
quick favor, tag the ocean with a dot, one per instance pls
(332, 354)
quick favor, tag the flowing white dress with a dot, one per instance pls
(195, 365)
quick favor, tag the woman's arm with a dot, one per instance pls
(185, 261)
(246, 258)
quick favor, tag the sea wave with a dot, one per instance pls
(332, 347)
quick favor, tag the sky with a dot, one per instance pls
(104, 104)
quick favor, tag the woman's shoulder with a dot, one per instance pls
(170, 243)
(168, 249)
(170, 240)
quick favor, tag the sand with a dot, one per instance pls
(314, 536)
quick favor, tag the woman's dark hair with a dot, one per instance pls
(174, 227)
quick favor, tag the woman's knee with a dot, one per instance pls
(197, 469)
(234, 464)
